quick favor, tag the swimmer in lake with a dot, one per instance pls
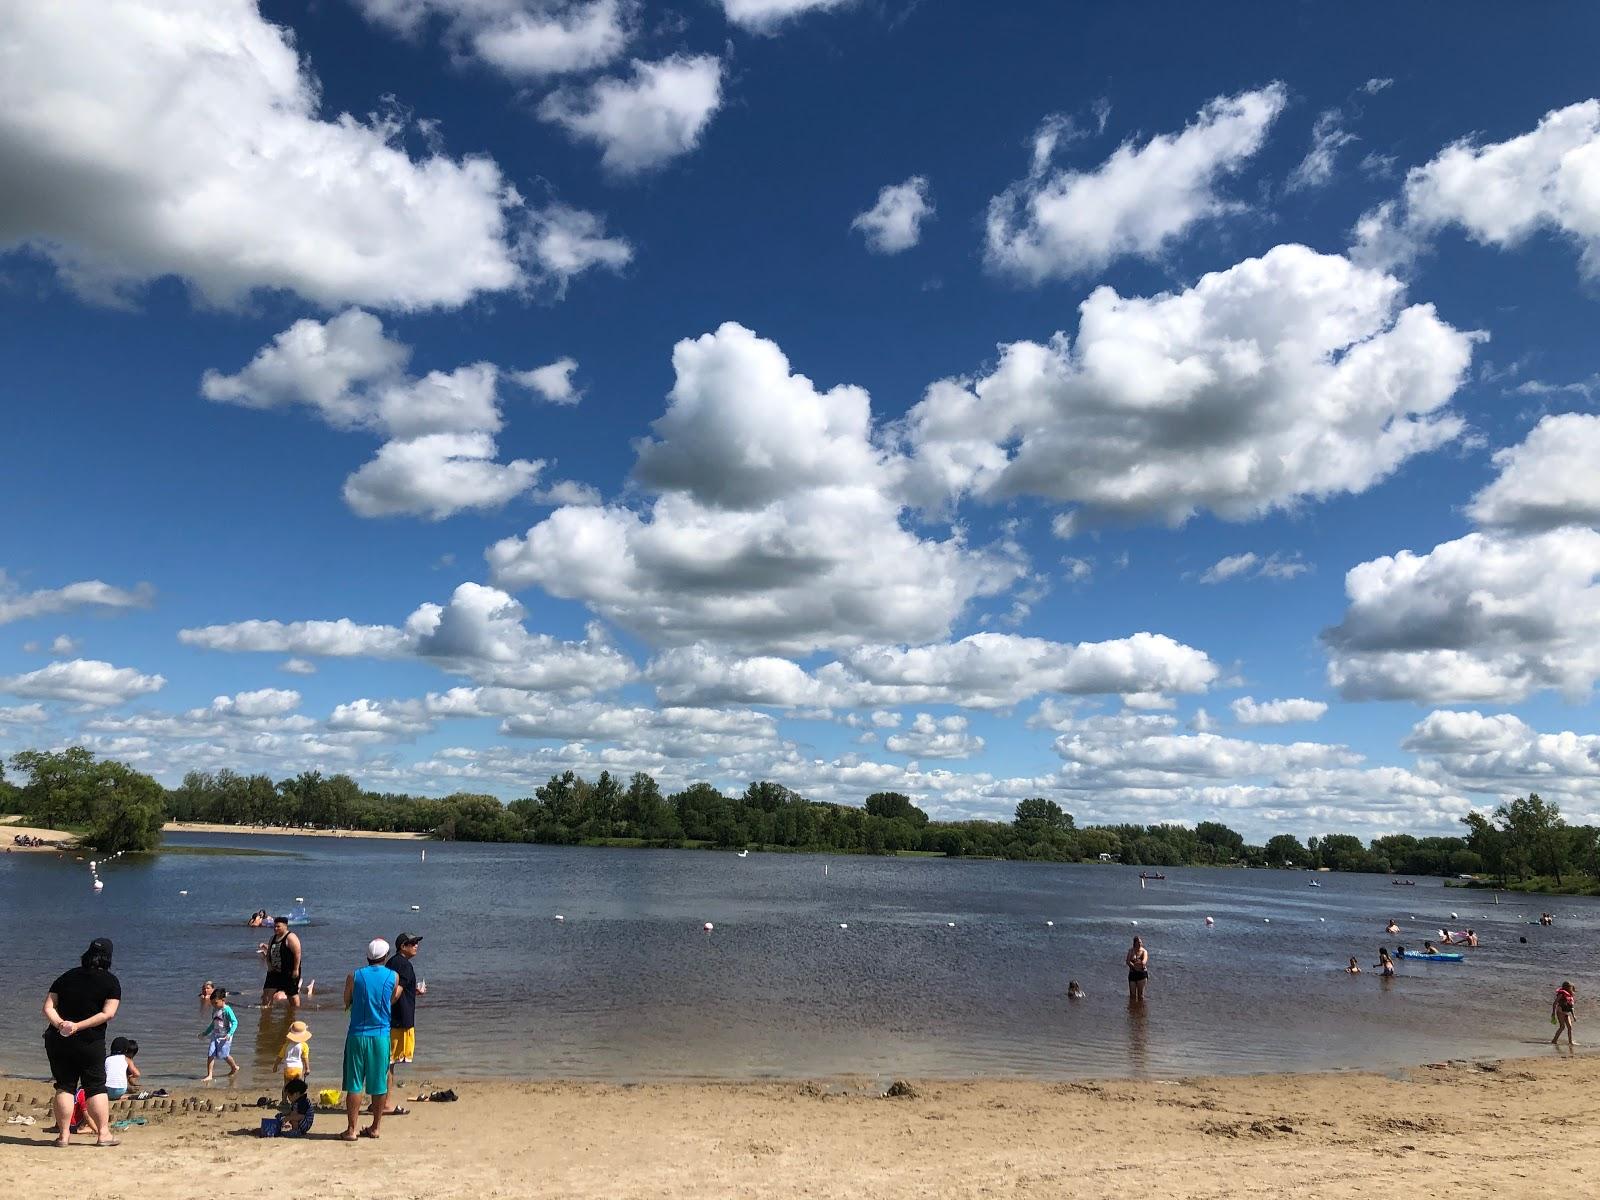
(1074, 992)
(1391, 928)
(1428, 947)
(1472, 939)
(206, 989)
(1385, 964)
(1354, 968)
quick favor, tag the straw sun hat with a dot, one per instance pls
(299, 1032)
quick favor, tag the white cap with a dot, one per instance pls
(377, 949)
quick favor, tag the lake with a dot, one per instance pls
(629, 986)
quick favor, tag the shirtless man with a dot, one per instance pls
(283, 965)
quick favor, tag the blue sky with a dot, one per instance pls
(1181, 418)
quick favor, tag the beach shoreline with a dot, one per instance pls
(1491, 1128)
(274, 831)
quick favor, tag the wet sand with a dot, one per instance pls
(1494, 1129)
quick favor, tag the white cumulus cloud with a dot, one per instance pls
(767, 16)
(18, 605)
(522, 39)
(648, 119)
(187, 138)
(1056, 224)
(1247, 710)
(894, 223)
(1551, 478)
(553, 381)
(1288, 377)
(935, 737)
(85, 681)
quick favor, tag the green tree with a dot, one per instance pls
(118, 808)
(893, 806)
(1041, 814)
(1535, 829)
(1285, 850)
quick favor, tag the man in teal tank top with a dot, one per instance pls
(369, 996)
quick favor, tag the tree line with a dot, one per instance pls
(113, 807)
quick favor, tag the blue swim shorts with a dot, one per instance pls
(366, 1064)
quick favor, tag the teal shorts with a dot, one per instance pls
(366, 1064)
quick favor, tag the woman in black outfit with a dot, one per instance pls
(79, 1005)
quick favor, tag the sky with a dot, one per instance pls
(1181, 414)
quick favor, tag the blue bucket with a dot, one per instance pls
(269, 1126)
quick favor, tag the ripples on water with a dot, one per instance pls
(630, 987)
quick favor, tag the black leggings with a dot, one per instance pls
(77, 1062)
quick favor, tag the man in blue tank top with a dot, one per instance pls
(369, 996)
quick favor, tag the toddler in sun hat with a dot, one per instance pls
(295, 1054)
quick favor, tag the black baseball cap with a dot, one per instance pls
(407, 939)
(100, 947)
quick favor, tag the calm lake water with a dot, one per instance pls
(629, 987)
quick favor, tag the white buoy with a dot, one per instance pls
(708, 927)
(1209, 921)
(1050, 924)
(93, 864)
(98, 885)
(950, 924)
(1133, 922)
(1324, 920)
(1453, 917)
(416, 908)
(842, 925)
(1266, 920)
(184, 892)
(559, 917)
(299, 899)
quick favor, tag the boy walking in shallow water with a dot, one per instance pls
(220, 1032)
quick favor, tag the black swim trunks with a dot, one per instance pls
(279, 981)
(1137, 976)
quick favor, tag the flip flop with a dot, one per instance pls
(110, 1142)
(402, 1111)
(349, 1137)
(367, 1133)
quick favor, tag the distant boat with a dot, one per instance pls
(1142, 875)
(1402, 883)
(1314, 883)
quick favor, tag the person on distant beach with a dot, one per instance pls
(219, 1034)
(369, 997)
(78, 1006)
(294, 1057)
(1385, 964)
(1074, 992)
(1138, 970)
(1354, 968)
(283, 954)
(1562, 1012)
(1391, 928)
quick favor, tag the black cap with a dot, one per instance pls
(100, 947)
(407, 939)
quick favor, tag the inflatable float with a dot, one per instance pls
(1441, 957)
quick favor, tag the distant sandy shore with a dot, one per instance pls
(10, 828)
(273, 831)
(1508, 1129)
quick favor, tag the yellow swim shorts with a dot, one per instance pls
(402, 1045)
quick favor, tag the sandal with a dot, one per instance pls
(367, 1133)
(110, 1142)
(401, 1111)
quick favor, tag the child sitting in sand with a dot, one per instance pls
(295, 1055)
(1074, 992)
(220, 1032)
(295, 1113)
(1354, 968)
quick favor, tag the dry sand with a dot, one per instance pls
(1508, 1129)
(10, 828)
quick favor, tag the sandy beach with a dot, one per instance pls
(1509, 1128)
(11, 827)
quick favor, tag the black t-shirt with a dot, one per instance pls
(403, 1014)
(81, 993)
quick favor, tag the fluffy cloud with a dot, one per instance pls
(1248, 711)
(185, 138)
(646, 120)
(766, 16)
(266, 702)
(1502, 193)
(1500, 755)
(776, 529)
(935, 737)
(1291, 376)
(18, 605)
(1243, 566)
(894, 223)
(479, 634)
(1552, 478)
(1056, 224)
(522, 39)
(552, 382)
(1484, 617)
(440, 458)
(83, 681)
(23, 714)
(983, 671)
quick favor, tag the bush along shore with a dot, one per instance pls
(1523, 845)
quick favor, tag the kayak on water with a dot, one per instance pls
(1433, 957)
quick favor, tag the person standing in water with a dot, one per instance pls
(283, 954)
(1385, 963)
(1562, 1012)
(1138, 970)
